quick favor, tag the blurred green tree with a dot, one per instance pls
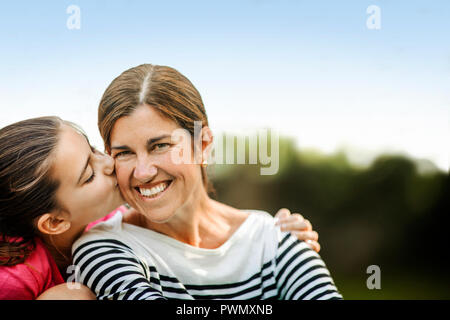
(388, 214)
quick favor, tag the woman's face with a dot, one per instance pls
(149, 178)
(88, 187)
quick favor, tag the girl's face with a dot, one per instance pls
(149, 178)
(88, 187)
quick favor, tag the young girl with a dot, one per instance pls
(53, 184)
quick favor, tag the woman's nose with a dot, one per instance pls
(144, 171)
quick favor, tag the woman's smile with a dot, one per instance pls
(154, 191)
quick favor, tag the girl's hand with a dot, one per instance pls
(298, 226)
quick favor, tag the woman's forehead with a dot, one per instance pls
(144, 123)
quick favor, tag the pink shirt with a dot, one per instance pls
(39, 272)
(27, 280)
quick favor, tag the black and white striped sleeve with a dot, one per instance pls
(301, 274)
(113, 271)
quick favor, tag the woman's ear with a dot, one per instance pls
(207, 142)
(49, 223)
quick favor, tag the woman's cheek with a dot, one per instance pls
(179, 154)
(175, 155)
(121, 173)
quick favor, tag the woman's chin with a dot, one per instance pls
(157, 209)
(155, 215)
(158, 219)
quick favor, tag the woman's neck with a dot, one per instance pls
(201, 222)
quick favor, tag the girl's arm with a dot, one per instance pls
(64, 292)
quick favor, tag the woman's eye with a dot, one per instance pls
(121, 154)
(161, 146)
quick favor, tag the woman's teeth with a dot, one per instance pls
(153, 191)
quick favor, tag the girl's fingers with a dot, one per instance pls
(308, 238)
(282, 214)
(306, 235)
(314, 245)
(296, 225)
(297, 216)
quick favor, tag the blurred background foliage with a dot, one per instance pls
(391, 213)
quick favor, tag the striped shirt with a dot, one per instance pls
(122, 261)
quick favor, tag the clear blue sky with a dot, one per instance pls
(311, 69)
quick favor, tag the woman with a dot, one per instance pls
(186, 245)
(52, 185)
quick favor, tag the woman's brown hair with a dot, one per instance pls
(161, 87)
(27, 189)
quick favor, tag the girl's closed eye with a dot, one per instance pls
(91, 178)
(95, 150)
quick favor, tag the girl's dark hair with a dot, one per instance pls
(27, 189)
